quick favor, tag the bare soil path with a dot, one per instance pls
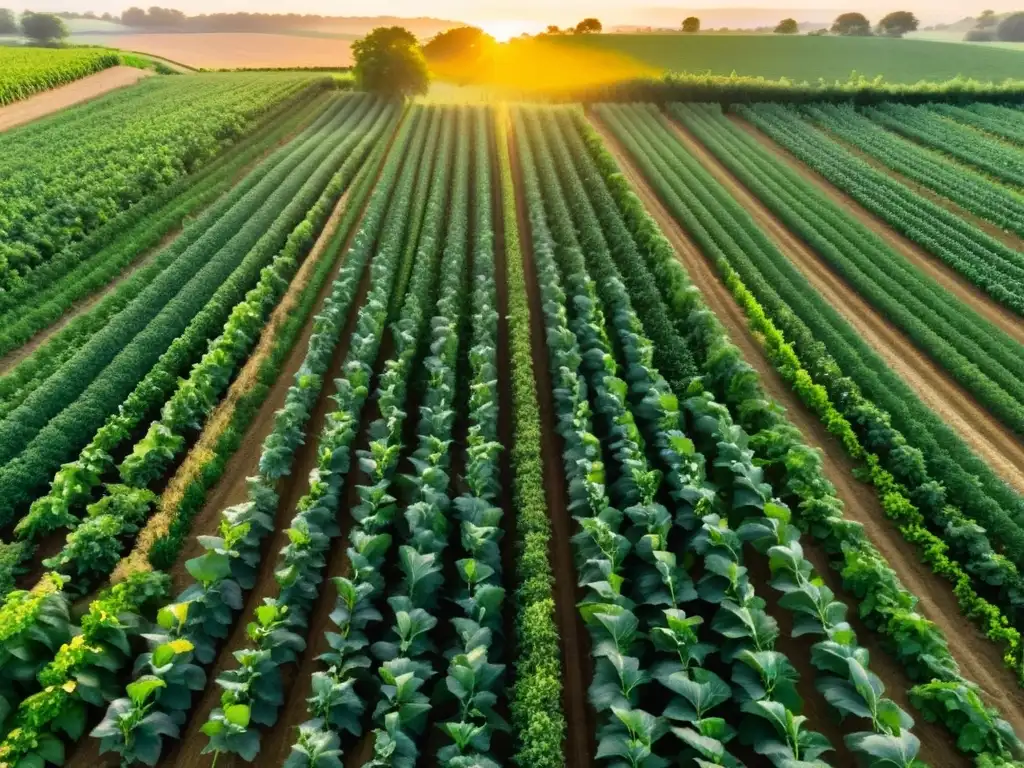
(47, 102)
(576, 661)
(979, 659)
(1005, 319)
(992, 441)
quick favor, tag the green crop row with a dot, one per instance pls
(51, 198)
(51, 290)
(983, 359)
(741, 497)
(191, 627)
(187, 408)
(1004, 122)
(995, 158)
(536, 698)
(992, 266)
(60, 416)
(710, 215)
(25, 71)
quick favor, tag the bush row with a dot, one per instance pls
(537, 695)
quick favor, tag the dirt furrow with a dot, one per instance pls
(580, 744)
(1004, 319)
(993, 442)
(979, 659)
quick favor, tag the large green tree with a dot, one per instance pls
(787, 27)
(8, 22)
(43, 27)
(389, 61)
(851, 25)
(461, 55)
(588, 26)
(1011, 29)
(691, 25)
(898, 23)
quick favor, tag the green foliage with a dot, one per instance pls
(43, 27)
(388, 61)
(691, 25)
(898, 23)
(787, 27)
(919, 644)
(29, 70)
(851, 25)
(536, 699)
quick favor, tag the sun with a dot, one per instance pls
(504, 30)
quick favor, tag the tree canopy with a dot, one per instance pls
(787, 27)
(851, 25)
(691, 24)
(43, 27)
(461, 55)
(898, 23)
(389, 61)
(986, 20)
(1011, 29)
(588, 26)
(8, 22)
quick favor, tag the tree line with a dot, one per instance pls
(45, 28)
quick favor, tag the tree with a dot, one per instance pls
(898, 23)
(462, 54)
(691, 25)
(980, 36)
(588, 26)
(851, 25)
(8, 22)
(787, 27)
(388, 61)
(43, 27)
(552, 30)
(987, 20)
(1011, 29)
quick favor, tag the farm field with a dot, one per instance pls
(806, 59)
(232, 50)
(337, 430)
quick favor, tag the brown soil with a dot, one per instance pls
(580, 745)
(986, 226)
(1004, 319)
(231, 50)
(47, 102)
(979, 659)
(233, 491)
(992, 441)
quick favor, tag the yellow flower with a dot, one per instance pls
(69, 686)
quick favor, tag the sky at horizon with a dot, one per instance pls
(514, 16)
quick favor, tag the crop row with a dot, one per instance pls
(51, 290)
(168, 128)
(30, 70)
(94, 544)
(742, 254)
(61, 711)
(57, 419)
(1004, 122)
(960, 142)
(730, 599)
(980, 357)
(992, 266)
(536, 696)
